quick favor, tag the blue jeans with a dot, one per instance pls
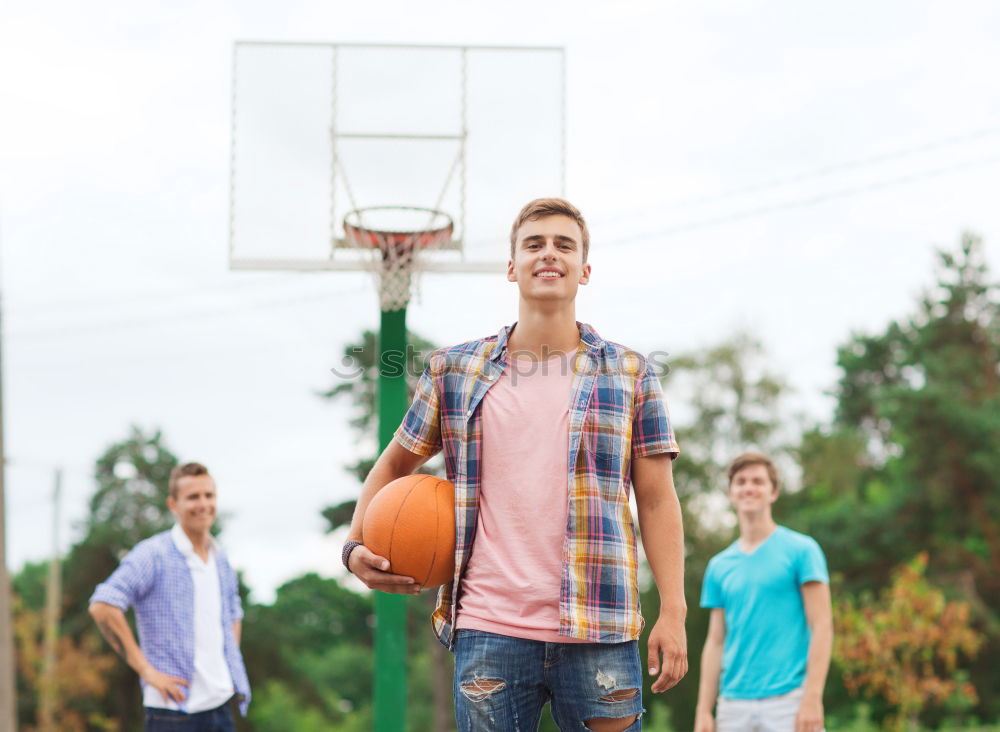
(502, 683)
(219, 719)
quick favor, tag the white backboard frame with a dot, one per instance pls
(270, 155)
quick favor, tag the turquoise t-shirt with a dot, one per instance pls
(767, 636)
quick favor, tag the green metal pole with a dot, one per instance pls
(390, 610)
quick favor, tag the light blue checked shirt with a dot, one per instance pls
(155, 580)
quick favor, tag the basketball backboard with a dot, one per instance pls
(321, 129)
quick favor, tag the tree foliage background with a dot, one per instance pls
(901, 487)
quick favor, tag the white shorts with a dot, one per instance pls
(770, 714)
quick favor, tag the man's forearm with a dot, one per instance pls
(378, 477)
(708, 683)
(820, 648)
(819, 616)
(663, 542)
(111, 622)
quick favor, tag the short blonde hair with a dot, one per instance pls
(540, 208)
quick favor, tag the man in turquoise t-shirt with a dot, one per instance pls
(770, 631)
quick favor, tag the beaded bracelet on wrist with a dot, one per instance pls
(345, 554)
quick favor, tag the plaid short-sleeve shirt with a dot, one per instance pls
(617, 413)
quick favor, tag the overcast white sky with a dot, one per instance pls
(783, 167)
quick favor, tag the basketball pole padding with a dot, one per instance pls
(390, 609)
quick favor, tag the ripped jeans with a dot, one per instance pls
(502, 683)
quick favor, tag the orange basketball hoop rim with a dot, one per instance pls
(398, 228)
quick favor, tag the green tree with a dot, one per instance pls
(905, 646)
(358, 382)
(80, 676)
(910, 462)
(925, 395)
(277, 708)
(732, 403)
(29, 584)
(313, 645)
(359, 385)
(728, 401)
(735, 403)
(360, 368)
(128, 505)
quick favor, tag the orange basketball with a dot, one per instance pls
(411, 522)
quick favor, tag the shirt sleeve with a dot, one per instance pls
(130, 582)
(812, 563)
(420, 431)
(235, 604)
(711, 590)
(651, 430)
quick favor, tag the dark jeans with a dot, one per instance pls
(219, 719)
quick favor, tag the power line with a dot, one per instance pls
(44, 465)
(154, 296)
(200, 314)
(803, 202)
(826, 171)
(829, 170)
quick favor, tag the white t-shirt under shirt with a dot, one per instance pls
(212, 685)
(511, 583)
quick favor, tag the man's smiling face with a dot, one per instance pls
(751, 490)
(194, 505)
(548, 259)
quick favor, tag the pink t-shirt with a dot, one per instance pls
(511, 583)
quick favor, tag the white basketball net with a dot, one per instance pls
(394, 238)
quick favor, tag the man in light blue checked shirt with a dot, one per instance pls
(188, 614)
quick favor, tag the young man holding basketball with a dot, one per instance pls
(770, 632)
(544, 428)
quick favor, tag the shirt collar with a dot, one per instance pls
(183, 543)
(592, 342)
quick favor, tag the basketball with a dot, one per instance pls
(411, 522)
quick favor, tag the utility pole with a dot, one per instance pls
(8, 698)
(53, 603)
